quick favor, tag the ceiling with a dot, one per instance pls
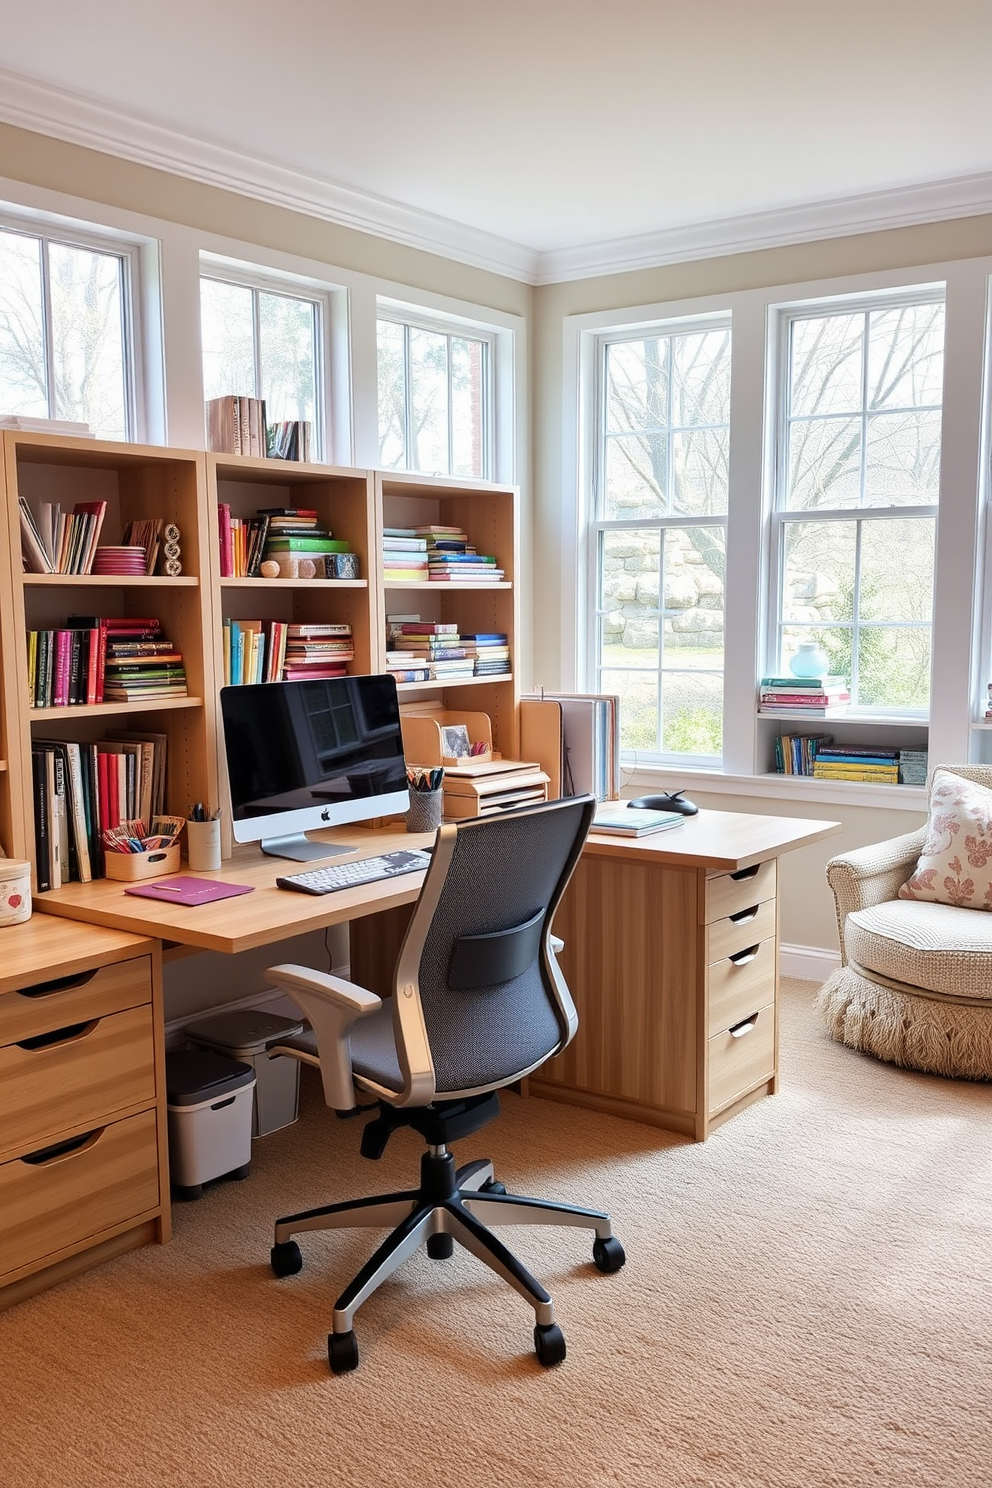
(542, 137)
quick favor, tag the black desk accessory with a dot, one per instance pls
(675, 802)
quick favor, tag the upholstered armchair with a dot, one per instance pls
(915, 982)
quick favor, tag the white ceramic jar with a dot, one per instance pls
(15, 891)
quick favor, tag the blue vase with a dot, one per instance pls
(809, 661)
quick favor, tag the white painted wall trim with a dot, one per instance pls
(29, 104)
(808, 963)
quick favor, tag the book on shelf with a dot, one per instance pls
(236, 425)
(289, 439)
(635, 821)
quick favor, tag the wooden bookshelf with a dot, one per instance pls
(137, 482)
(489, 514)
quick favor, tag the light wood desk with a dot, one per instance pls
(671, 955)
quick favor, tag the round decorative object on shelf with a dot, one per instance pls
(809, 661)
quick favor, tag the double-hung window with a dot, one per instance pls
(660, 487)
(435, 396)
(857, 489)
(65, 331)
(261, 342)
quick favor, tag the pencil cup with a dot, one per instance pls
(15, 892)
(203, 845)
(424, 813)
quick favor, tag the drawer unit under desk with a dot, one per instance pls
(59, 1197)
(740, 984)
(741, 1058)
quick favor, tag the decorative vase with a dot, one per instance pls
(809, 661)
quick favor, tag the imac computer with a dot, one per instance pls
(304, 755)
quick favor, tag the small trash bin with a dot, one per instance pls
(246, 1034)
(209, 1101)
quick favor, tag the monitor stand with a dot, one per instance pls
(301, 849)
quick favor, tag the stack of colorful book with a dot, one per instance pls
(314, 652)
(140, 662)
(804, 697)
(430, 644)
(452, 559)
(870, 763)
(404, 555)
(294, 533)
(489, 650)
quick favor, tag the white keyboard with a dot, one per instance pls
(352, 875)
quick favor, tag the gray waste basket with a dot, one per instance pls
(246, 1034)
(209, 1100)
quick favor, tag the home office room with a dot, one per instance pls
(495, 746)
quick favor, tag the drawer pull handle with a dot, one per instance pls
(743, 1027)
(61, 1150)
(743, 957)
(743, 916)
(59, 984)
(743, 873)
(72, 1034)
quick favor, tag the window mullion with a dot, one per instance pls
(48, 329)
(256, 336)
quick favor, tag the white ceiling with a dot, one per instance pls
(532, 134)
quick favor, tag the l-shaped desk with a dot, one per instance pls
(670, 953)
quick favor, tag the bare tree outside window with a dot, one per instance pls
(661, 532)
(435, 400)
(64, 344)
(859, 494)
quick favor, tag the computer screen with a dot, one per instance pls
(304, 755)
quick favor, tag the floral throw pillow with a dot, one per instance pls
(955, 865)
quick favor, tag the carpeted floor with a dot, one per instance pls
(807, 1303)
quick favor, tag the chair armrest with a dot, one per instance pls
(872, 875)
(332, 1005)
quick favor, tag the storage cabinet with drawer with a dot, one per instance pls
(83, 1165)
(671, 956)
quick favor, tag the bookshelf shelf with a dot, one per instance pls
(871, 720)
(109, 581)
(426, 587)
(409, 689)
(102, 710)
(288, 584)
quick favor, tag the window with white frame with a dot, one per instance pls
(262, 342)
(435, 397)
(65, 331)
(858, 466)
(659, 528)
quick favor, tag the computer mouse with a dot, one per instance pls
(675, 802)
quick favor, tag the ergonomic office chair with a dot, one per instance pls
(478, 1002)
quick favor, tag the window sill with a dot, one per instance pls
(777, 787)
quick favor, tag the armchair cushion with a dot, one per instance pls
(937, 947)
(955, 864)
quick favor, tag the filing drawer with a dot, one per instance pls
(748, 926)
(736, 987)
(737, 1065)
(727, 893)
(90, 1070)
(47, 1005)
(109, 1177)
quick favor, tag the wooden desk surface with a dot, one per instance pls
(721, 841)
(267, 915)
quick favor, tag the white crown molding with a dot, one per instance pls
(905, 206)
(36, 106)
(28, 104)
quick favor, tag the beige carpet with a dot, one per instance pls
(807, 1302)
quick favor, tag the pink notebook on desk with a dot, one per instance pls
(189, 890)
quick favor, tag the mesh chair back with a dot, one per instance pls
(506, 874)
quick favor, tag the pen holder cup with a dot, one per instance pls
(130, 867)
(424, 812)
(203, 845)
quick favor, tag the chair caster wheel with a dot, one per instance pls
(608, 1255)
(549, 1344)
(493, 1186)
(440, 1247)
(342, 1352)
(286, 1258)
